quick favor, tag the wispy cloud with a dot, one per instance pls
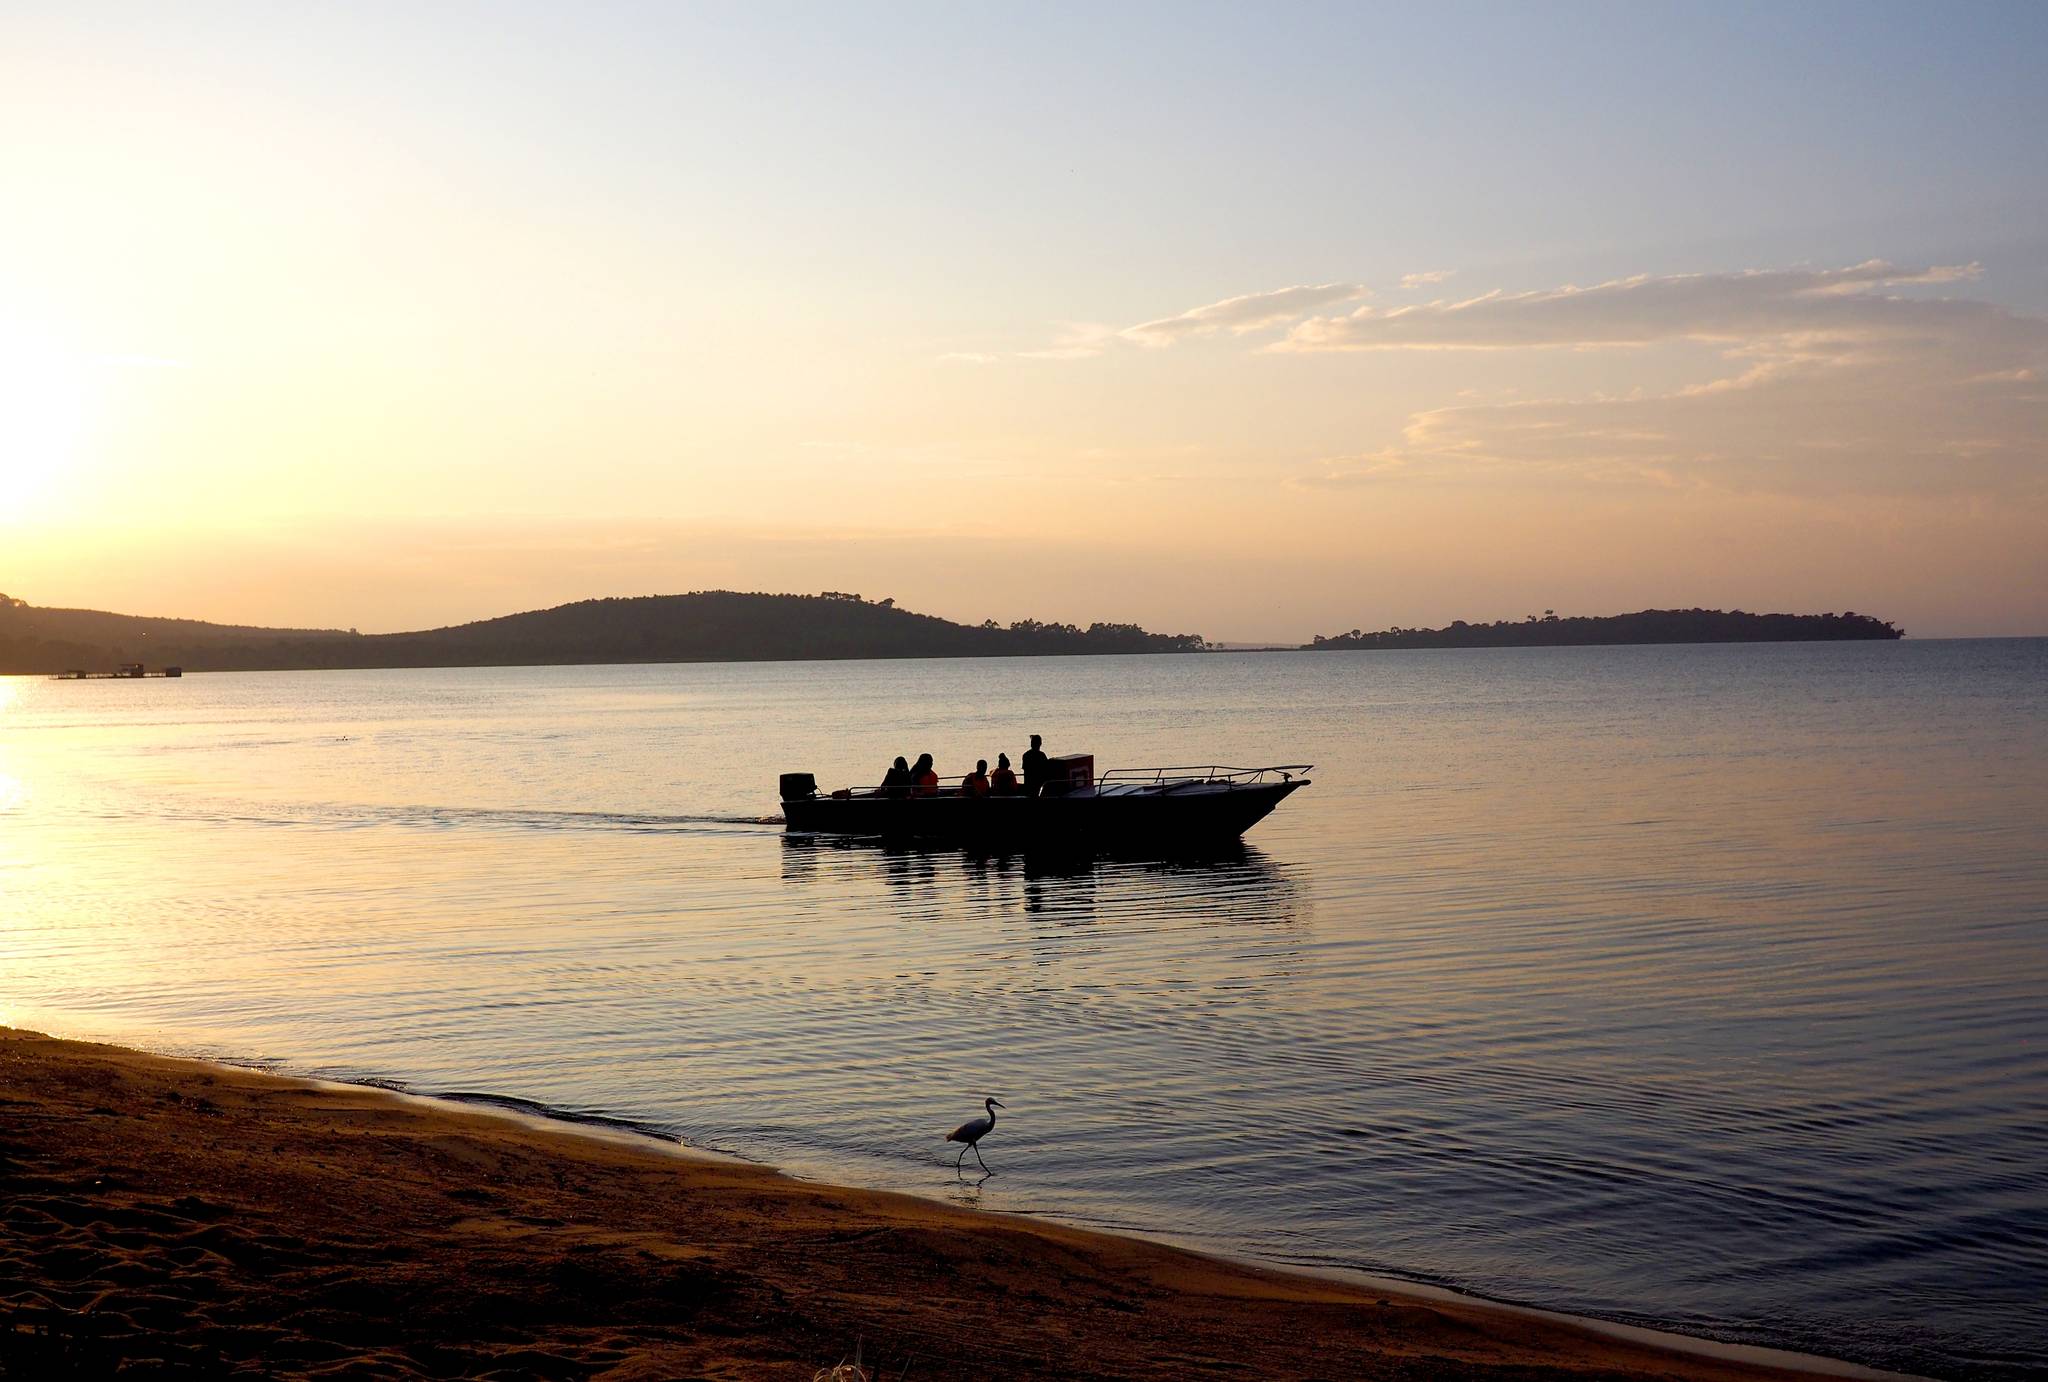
(968, 357)
(1645, 309)
(1352, 472)
(1865, 378)
(1834, 383)
(1239, 315)
(1248, 312)
(1078, 341)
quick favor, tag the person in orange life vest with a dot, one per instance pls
(975, 784)
(1003, 782)
(925, 777)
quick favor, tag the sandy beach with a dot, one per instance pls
(186, 1219)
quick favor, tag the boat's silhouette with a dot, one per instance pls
(1170, 808)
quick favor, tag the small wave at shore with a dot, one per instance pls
(1702, 1343)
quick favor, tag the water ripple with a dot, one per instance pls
(1695, 987)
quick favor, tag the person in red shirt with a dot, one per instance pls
(1003, 782)
(925, 776)
(975, 784)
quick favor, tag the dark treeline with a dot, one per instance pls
(708, 626)
(1646, 626)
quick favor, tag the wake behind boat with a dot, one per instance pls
(1162, 807)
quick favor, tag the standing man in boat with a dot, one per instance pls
(1034, 768)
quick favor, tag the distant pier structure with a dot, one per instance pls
(128, 671)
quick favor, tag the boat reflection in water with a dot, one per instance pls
(1230, 885)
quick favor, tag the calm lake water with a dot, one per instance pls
(1701, 987)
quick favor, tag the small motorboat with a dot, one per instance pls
(1171, 808)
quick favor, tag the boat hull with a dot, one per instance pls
(1190, 818)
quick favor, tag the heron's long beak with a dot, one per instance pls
(999, 1103)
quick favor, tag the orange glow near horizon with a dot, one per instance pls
(599, 313)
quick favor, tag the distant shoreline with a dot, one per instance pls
(704, 626)
(1649, 626)
(728, 626)
(1261, 650)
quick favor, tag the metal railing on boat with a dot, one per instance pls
(1215, 773)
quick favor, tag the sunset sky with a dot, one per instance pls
(1250, 322)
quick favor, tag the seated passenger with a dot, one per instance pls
(1003, 782)
(975, 784)
(896, 782)
(924, 778)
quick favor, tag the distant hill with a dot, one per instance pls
(51, 640)
(708, 626)
(1645, 626)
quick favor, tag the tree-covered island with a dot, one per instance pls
(706, 626)
(1645, 626)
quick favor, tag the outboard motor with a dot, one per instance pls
(796, 786)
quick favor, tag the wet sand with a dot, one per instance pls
(182, 1219)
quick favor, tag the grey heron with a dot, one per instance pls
(972, 1131)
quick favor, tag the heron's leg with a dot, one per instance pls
(977, 1155)
(962, 1157)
